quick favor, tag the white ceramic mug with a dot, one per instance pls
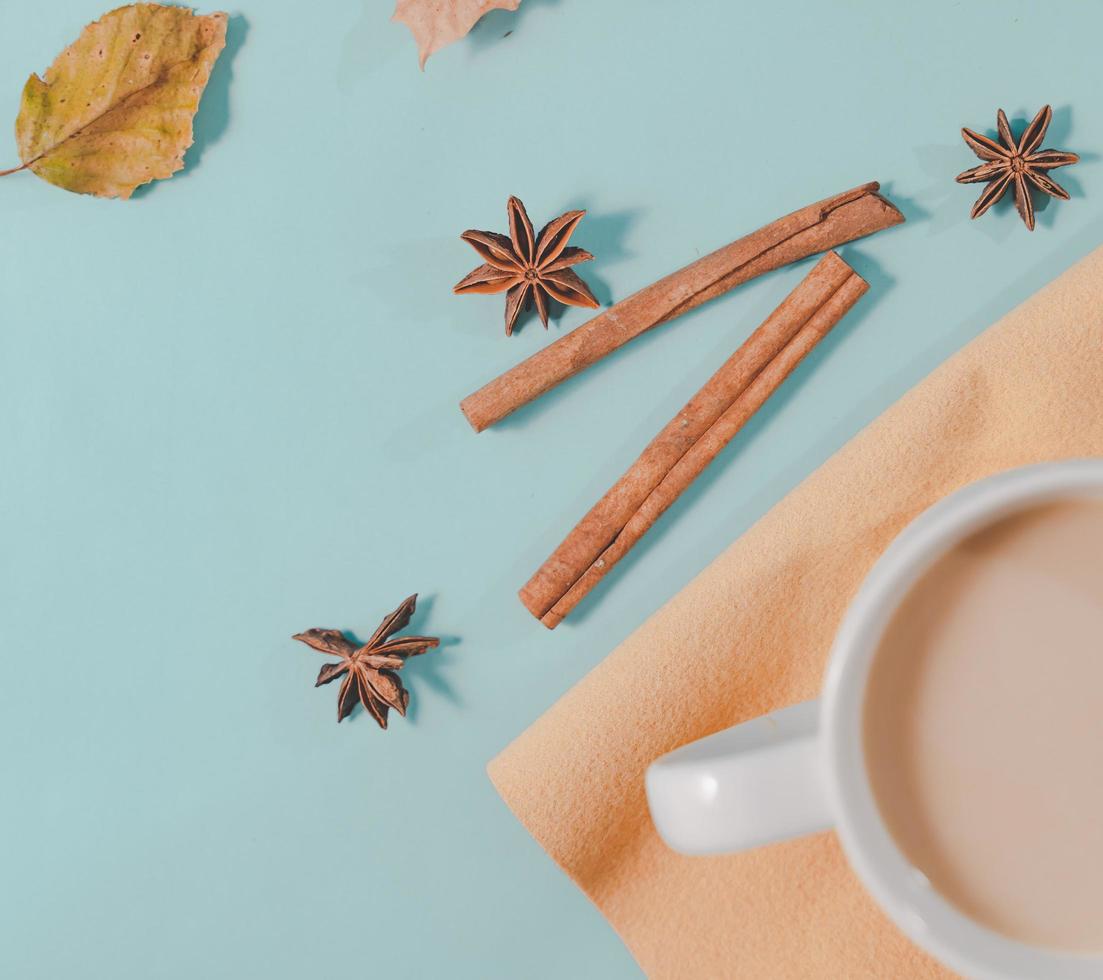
(802, 769)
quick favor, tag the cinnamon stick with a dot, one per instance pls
(692, 439)
(811, 230)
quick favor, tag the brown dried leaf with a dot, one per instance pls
(437, 23)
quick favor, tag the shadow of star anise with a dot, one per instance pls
(529, 268)
(1020, 164)
(369, 670)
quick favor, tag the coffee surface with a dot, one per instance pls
(983, 726)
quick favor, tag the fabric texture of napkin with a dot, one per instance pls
(753, 632)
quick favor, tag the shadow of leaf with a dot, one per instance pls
(492, 27)
(370, 42)
(213, 118)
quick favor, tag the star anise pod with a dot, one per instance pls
(529, 268)
(1021, 164)
(369, 670)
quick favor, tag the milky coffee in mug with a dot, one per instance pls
(983, 725)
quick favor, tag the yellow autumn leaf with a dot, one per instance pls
(115, 108)
(435, 23)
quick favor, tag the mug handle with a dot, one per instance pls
(756, 783)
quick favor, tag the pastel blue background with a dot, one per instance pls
(228, 413)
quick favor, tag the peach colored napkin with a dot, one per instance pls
(752, 633)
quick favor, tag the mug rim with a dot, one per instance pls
(899, 887)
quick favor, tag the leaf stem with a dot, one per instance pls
(14, 170)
